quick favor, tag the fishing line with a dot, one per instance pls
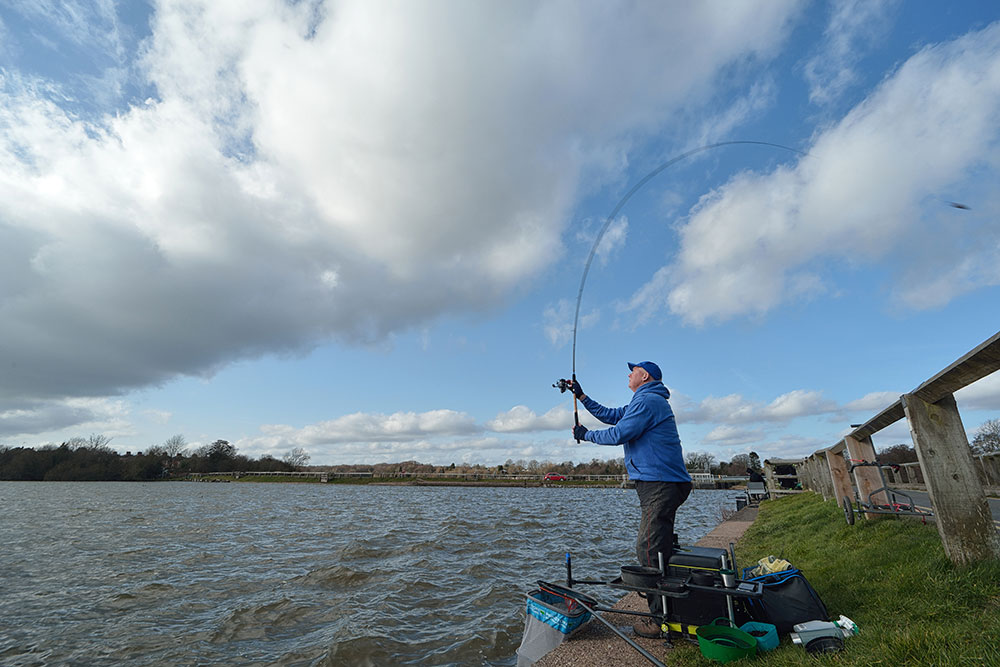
(628, 195)
(564, 385)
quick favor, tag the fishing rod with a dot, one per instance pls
(564, 385)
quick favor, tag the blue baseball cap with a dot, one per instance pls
(649, 367)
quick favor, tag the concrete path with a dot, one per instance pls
(596, 645)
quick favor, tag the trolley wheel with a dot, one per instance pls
(848, 511)
(825, 645)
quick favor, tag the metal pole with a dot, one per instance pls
(646, 654)
(663, 598)
(729, 599)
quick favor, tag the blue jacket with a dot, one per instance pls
(647, 428)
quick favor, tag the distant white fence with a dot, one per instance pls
(700, 479)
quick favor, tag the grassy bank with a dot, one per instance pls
(890, 576)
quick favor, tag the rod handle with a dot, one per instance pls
(576, 410)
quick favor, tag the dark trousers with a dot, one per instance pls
(659, 502)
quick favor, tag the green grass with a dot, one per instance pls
(890, 576)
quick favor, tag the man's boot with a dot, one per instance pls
(647, 627)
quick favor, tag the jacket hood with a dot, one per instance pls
(655, 387)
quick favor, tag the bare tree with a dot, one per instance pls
(739, 464)
(76, 442)
(174, 445)
(297, 457)
(95, 442)
(987, 438)
(699, 461)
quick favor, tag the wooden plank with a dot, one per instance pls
(963, 516)
(887, 417)
(977, 364)
(842, 487)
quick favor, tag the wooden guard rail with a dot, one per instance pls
(946, 463)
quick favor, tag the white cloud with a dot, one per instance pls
(871, 189)
(432, 451)
(761, 96)
(613, 239)
(64, 419)
(368, 427)
(304, 174)
(981, 395)
(799, 403)
(949, 273)
(84, 24)
(735, 409)
(557, 321)
(522, 419)
(855, 26)
(873, 402)
(732, 435)
(728, 409)
(436, 451)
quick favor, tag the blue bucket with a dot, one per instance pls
(765, 642)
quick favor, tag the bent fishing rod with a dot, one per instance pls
(564, 385)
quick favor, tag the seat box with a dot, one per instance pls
(699, 607)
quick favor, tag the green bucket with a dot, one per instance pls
(724, 643)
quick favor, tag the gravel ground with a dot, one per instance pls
(597, 645)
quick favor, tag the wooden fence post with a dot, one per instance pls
(866, 478)
(838, 471)
(990, 462)
(822, 469)
(807, 476)
(963, 515)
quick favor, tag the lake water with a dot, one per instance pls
(297, 574)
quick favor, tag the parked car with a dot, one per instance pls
(554, 477)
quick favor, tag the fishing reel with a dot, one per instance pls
(563, 386)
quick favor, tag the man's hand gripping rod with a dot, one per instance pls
(567, 385)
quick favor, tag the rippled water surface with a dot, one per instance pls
(296, 574)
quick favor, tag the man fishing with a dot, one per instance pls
(654, 461)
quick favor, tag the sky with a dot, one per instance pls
(359, 228)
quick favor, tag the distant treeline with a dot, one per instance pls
(92, 460)
(511, 467)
